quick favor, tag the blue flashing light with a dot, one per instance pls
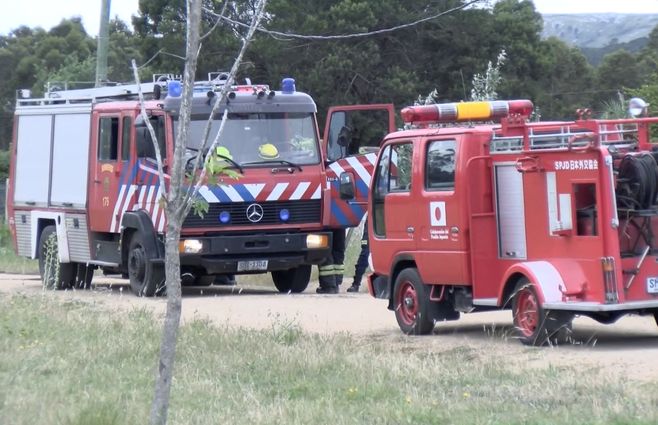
(224, 217)
(284, 215)
(174, 88)
(288, 86)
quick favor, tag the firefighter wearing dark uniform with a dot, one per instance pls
(331, 270)
(362, 261)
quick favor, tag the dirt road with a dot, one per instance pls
(628, 348)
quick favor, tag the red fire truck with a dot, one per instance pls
(548, 219)
(84, 190)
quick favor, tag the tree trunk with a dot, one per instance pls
(173, 208)
(176, 208)
(160, 406)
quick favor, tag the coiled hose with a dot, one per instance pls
(637, 181)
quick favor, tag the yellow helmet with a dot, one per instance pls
(268, 151)
(223, 151)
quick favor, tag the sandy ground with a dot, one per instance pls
(628, 348)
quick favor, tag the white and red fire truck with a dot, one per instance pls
(548, 219)
(84, 186)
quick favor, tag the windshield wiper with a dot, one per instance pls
(232, 161)
(275, 161)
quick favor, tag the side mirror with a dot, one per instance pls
(346, 181)
(145, 147)
(139, 122)
(344, 136)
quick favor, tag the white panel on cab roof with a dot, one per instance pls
(70, 160)
(33, 160)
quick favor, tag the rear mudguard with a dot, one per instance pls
(552, 280)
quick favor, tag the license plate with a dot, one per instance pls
(652, 285)
(254, 265)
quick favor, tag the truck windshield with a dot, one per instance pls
(261, 137)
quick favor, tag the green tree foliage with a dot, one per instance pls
(30, 58)
(618, 71)
(160, 26)
(565, 83)
(517, 27)
(442, 54)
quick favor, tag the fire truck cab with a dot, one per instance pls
(548, 219)
(85, 191)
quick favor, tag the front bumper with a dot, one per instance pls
(283, 251)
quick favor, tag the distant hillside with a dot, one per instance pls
(598, 30)
(599, 34)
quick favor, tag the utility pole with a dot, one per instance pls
(103, 43)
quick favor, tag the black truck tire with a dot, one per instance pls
(54, 275)
(535, 325)
(292, 280)
(146, 278)
(84, 275)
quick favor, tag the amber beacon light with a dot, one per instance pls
(466, 111)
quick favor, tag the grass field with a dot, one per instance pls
(9, 261)
(72, 363)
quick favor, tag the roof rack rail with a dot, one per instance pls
(55, 95)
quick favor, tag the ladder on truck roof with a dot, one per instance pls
(97, 94)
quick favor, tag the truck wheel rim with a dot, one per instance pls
(408, 303)
(527, 314)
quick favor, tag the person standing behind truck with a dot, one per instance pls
(332, 269)
(362, 262)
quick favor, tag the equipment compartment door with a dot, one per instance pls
(352, 138)
(510, 212)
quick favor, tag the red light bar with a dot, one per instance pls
(466, 111)
(251, 88)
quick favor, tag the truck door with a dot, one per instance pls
(392, 203)
(352, 137)
(107, 171)
(440, 213)
(147, 180)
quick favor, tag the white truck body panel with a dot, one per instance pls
(33, 160)
(70, 160)
(52, 155)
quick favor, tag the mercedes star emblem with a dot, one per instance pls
(254, 213)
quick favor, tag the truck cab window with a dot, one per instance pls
(144, 143)
(400, 169)
(440, 165)
(380, 189)
(356, 132)
(290, 135)
(392, 175)
(108, 139)
(126, 127)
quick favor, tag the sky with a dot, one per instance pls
(48, 13)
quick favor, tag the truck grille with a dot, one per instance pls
(299, 212)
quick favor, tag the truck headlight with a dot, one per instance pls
(190, 246)
(317, 241)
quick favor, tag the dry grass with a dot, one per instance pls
(70, 363)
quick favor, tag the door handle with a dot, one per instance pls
(410, 229)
